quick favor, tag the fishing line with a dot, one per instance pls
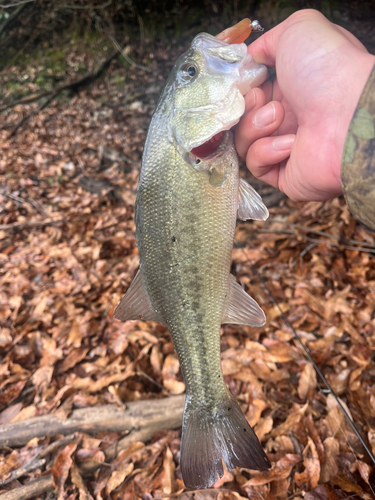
(308, 355)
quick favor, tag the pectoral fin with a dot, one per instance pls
(241, 308)
(250, 205)
(136, 303)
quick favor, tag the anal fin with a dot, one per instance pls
(136, 303)
(250, 204)
(241, 308)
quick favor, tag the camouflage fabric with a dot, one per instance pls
(358, 160)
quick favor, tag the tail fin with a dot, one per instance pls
(209, 436)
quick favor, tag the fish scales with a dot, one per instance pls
(188, 198)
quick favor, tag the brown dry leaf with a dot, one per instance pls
(335, 422)
(307, 381)
(156, 359)
(169, 467)
(118, 477)
(170, 369)
(339, 382)
(280, 471)
(309, 478)
(264, 427)
(25, 413)
(280, 488)
(230, 367)
(10, 463)
(338, 303)
(11, 393)
(274, 312)
(347, 485)
(321, 493)
(293, 418)
(42, 378)
(74, 336)
(72, 359)
(255, 410)
(9, 413)
(79, 483)
(282, 444)
(61, 467)
(371, 439)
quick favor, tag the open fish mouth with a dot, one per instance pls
(210, 147)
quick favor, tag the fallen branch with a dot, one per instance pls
(138, 416)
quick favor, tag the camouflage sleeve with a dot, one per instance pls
(358, 160)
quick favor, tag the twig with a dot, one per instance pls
(30, 202)
(338, 243)
(24, 225)
(26, 100)
(39, 460)
(85, 7)
(25, 469)
(15, 3)
(30, 490)
(25, 118)
(325, 235)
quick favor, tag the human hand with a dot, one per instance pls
(293, 131)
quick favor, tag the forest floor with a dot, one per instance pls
(68, 179)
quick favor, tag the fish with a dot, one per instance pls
(188, 199)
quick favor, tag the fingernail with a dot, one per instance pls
(251, 100)
(265, 116)
(283, 142)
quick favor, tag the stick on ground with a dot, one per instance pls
(139, 415)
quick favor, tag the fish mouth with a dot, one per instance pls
(210, 147)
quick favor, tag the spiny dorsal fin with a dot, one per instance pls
(136, 304)
(250, 204)
(241, 308)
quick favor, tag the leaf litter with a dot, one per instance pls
(67, 255)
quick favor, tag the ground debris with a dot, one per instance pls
(68, 254)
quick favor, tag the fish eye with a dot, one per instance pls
(191, 71)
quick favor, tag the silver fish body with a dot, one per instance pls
(188, 198)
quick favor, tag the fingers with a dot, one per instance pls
(264, 157)
(254, 99)
(260, 122)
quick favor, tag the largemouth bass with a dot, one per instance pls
(188, 198)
